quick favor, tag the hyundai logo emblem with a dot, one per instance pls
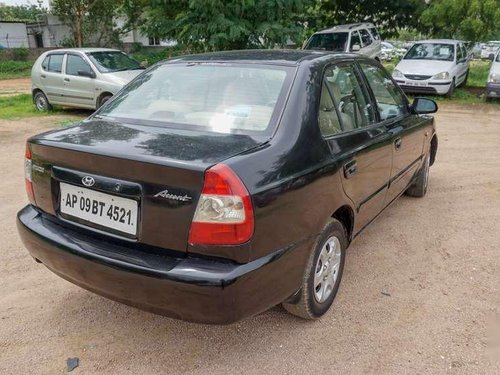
(88, 181)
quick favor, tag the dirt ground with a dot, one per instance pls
(420, 293)
(15, 86)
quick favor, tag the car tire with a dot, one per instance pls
(323, 273)
(103, 100)
(419, 187)
(451, 91)
(41, 102)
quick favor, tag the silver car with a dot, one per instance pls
(80, 77)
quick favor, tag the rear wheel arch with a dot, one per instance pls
(434, 147)
(345, 215)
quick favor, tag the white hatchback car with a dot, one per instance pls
(362, 38)
(80, 77)
(493, 85)
(435, 66)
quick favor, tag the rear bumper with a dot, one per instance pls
(187, 288)
(493, 90)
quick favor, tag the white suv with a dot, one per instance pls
(362, 38)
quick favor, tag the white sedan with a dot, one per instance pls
(433, 67)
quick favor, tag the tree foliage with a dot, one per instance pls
(226, 24)
(388, 15)
(472, 20)
(22, 13)
(93, 22)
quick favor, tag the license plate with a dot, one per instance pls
(417, 84)
(99, 208)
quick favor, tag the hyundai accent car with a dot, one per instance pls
(215, 186)
(435, 66)
(80, 77)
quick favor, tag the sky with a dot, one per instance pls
(23, 2)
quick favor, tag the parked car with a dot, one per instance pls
(493, 85)
(489, 49)
(391, 51)
(80, 77)
(474, 49)
(433, 66)
(216, 186)
(362, 38)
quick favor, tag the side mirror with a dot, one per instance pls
(356, 48)
(423, 106)
(86, 73)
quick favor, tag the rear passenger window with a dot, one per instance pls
(390, 101)
(365, 37)
(55, 63)
(349, 96)
(45, 63)
(375, 33)
(328, 119)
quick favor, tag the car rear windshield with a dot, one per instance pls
(113, 61)
(431, 51)
(328, 42)
(219, 98)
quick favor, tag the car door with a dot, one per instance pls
(79, 87)
(368, 47)
(462, 63)
(362, 147)
(406, 130)
(51, 77)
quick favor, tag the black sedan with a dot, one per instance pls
(215, 186)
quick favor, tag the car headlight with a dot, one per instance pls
(397, 74)
(494, 78)
(443, 75)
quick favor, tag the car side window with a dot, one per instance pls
(328, 118)
(355, 39)
(54, 64)
(365, 37)
(75, 63)
(350, 96)
(390, 101)
(375, 33)
(45, 63)
(460, 53)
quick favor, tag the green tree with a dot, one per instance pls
(226, 24)
(24, 13)
(472, 20)
(388, 15)
(92, 22)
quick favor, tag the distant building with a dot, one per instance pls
(48, 32)
(137, 37)
(13, 34)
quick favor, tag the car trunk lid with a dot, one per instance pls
(160, 169)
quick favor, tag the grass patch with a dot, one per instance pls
(15, 69)
(19, 106)
(478, 73)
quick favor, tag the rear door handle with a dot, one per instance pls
(397, 143)
(66, 79)
(350, 168)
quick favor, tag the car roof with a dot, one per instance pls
(260, 56)
(346, 28)
(83, 50)
(444, 41)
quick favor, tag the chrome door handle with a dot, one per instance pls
(350, 169)
(397, 143)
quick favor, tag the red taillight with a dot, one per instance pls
(224, 215)
(27, 175)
